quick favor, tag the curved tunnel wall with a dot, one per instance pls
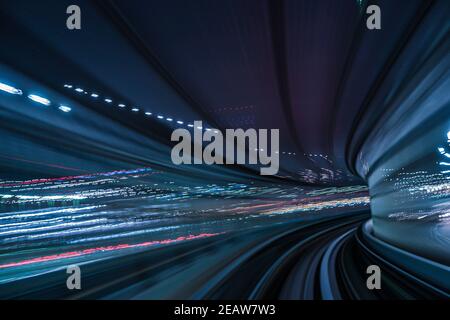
(406, 157)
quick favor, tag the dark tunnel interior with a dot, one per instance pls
(87, 175)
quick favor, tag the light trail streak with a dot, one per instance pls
(86, 176)
(84, 252)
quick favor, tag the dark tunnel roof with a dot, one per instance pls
(309, 68)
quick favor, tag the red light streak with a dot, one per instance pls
(84, 252)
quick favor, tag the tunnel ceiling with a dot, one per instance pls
(309, 68)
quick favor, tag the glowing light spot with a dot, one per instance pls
(64, 108)
(9, 89)
(39, 99)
